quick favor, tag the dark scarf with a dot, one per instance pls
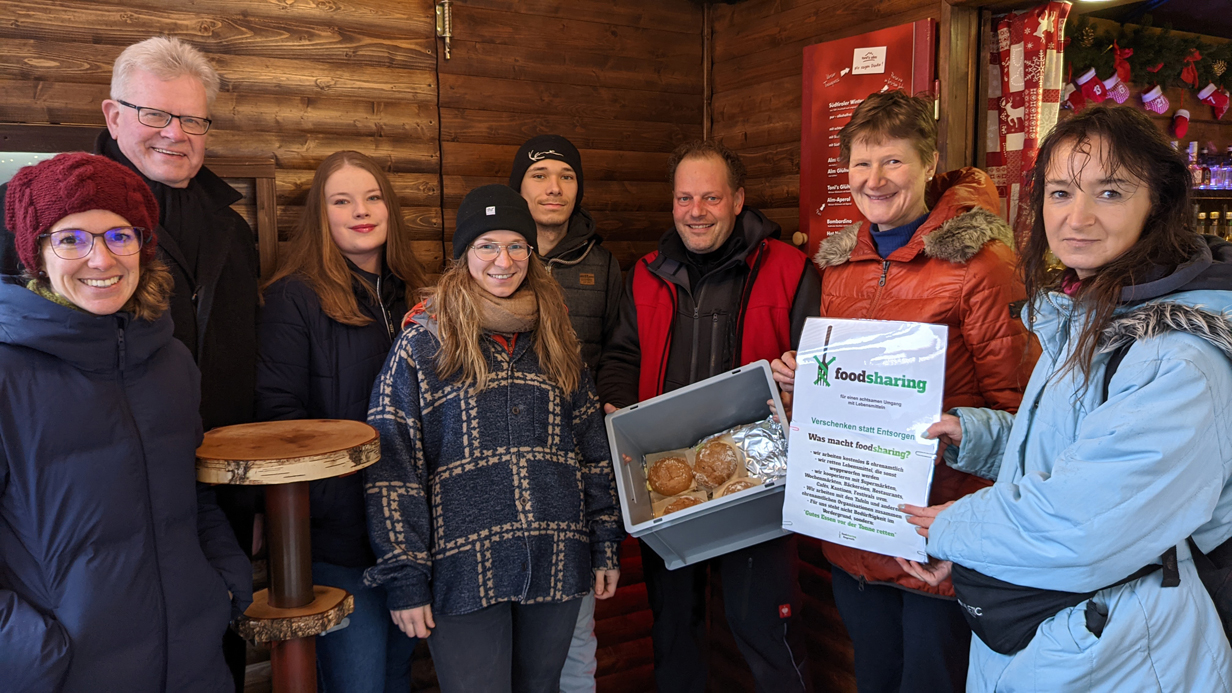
(184, 213)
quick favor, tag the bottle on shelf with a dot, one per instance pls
(1214, 228)
(1227, 228)
(1227, 173)
(1201, 228)
(1204, 163)
(1195, 171)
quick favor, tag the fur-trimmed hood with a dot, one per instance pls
(1194, 299)
(1155, 319)
(960, 224)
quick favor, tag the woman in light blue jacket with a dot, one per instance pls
(1094, 487)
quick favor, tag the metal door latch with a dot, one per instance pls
(444, 22)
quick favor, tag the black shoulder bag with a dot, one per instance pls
(1006, 616)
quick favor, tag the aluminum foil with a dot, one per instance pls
(764, 445)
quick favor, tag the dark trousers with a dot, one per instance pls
(504, 648)
(370, 655)
(904, 641)
(761, 594)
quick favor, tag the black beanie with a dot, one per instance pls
(547, 147)
(492, 208)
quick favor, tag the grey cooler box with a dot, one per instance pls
(679, 419)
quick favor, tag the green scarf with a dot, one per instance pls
(45, 291)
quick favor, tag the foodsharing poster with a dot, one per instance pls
(865, 393)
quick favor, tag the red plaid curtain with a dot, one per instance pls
(1024, 96)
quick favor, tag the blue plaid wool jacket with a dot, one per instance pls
(503, 495)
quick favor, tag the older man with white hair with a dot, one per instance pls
(158, 119)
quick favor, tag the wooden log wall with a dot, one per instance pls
(758, 62)
(300, 80)
(622, 81)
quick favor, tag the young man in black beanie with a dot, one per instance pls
(547, 170)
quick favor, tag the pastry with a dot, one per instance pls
(716, 463)
(669, 476)
(680, 504)
(736, 486)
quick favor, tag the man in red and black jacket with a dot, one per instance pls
(720, 292)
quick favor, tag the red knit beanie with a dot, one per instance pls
(42, 194)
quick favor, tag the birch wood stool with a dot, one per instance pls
(283, 456)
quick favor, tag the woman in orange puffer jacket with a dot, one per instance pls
(933, 250)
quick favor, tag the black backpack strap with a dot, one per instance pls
(1114, 362)
(1172, 574)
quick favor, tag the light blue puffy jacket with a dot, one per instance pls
(1089, 491)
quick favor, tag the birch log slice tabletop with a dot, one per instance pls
(283, 452)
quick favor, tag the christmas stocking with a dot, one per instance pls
(1155, 101)
(1073, 100)
(1180, 123)
(1092, 88)
(1117, 91)
(1216, 98)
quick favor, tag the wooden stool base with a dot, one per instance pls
(265, 623)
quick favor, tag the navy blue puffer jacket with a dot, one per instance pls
(114, 563)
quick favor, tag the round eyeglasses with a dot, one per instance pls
(74, 244)
(488, 252)
(152, 117)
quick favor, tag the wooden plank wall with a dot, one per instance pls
(623, 81)
(758, 65)
(301, 80)
(757, 70)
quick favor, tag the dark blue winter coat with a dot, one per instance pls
(114, 563)
(312, 367)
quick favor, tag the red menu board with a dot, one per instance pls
(838, 75)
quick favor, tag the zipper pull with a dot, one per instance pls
(121, 348)
(885, 269)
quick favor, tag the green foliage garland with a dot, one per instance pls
(1151, 47)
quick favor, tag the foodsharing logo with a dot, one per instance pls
(823, 363)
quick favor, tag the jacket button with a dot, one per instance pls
(516, 411)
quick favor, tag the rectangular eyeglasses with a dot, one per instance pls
(152, 117)
(74, 244)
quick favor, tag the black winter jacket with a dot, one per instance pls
(704, 338)
(114, 563)
(313, 367)
(590, 278)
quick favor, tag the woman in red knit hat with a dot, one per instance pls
(117, 571)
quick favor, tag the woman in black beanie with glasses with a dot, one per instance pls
(493, 509)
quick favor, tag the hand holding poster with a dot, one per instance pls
(865, 393)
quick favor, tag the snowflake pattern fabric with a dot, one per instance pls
(1025, 92)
